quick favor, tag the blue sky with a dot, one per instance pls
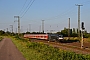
(55, 14)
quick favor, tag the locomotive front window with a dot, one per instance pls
(60, 36)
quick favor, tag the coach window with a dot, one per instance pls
(44, 36)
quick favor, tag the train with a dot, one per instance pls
(49, 37)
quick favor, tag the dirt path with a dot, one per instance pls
(8, 51)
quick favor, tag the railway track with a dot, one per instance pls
(67, 46)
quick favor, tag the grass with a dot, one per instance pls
(40, 51)
(88, 39)
(1, 38)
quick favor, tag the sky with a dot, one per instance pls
(55, 14)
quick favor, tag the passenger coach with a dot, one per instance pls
(50, 37)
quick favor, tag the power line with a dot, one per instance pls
(62, 14)
(5, 23)
(85, 2)
(28, 8)
(23, 6)
(12, 28)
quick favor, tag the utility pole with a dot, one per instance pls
(79, 20)
(42, 26)
(50, 29)
(22, 29)
(16, 30)
(57, 29)
(69, 29)
(18, 23)
(12, 28)
(29, 27)
(7, 29)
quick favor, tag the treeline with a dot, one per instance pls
(73, 33)
(64, 32)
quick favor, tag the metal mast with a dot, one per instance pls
(69, 29)
(18, 23)
(12, 28)
(42, 26)
(30, 28)
(79, 20)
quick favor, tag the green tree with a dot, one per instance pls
(2, 32)
(27, 32)
(64, 32)
(73, 30)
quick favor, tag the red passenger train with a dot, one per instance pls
(49, 37)
(36, 36)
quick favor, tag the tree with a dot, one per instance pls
(59, 33)
(27, 32)
(2, 32)
(73, 30)
(64, 32)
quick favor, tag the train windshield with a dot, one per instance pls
(61, 36)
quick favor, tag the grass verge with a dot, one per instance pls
(40, 51)
(1, 38)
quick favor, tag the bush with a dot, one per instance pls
(1, 38)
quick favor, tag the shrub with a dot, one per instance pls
(1, 38)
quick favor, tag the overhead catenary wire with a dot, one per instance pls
(62, 14)
(22, 7)
(86, 2)
(28, 6)
(66, 12)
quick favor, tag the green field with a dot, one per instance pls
(40, 51)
